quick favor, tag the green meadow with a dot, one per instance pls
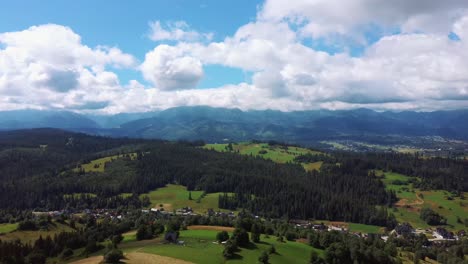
(98, 165)
(174, 197)
(200, 247)
(412, 200)
(275, 153)
(31, 236)
(7, 228)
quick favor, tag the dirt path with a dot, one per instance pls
(136, 258)
(404, 202)
(145, 258)
(90, 260)
(215, 228)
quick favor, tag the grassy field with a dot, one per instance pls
(135, 258)
(7, 228)
(31, 236)
(412, 200)
(176, 196)
(275, 153)
(98, 165)
(200, 248)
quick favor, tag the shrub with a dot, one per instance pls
(222, 236)
(113, 256)
(263, 258)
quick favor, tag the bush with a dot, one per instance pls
(144, 232)
(255, 237)
(222, 236)
(272, 250)
(229, 249)
(66, 253)
(92, 246)
(36, 258)
(117, 239)
(241, 237)
(113, 256)
(263, 258)
(291, 236)
(27, 225)
(431, 217)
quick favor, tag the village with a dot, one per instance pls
(434, 234)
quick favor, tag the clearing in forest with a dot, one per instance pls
(98, 165)
(276, 153)
(200, 247)
(412, 200)
(174, 197)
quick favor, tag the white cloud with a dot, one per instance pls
(344, 16)
(178, 30)
(419, 69)
(47, 66)
(396, 70)
(168, 68)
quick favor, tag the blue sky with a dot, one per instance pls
(125, 24)
(136, 56)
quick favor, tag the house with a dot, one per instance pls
(185, 211)
(336, 228)
(442, 233)
(404, 229)
(320, 227)
(461, 233)
(300, 223)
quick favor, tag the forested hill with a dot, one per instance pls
(38, 171)
(216, 124)
(32, 152)
(43, 168)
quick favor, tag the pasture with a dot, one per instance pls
(7, 228)
(31, 236)
(173, 197)
(276, 153)
(98, 165)
(412, 200)
(200, 247)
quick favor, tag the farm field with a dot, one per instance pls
(31, 236)
(98, 165)
(275, 153)
(7, 228)
(176, 196)
(200, 248)
(136, 258)
(412, 200)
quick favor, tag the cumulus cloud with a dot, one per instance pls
(178, 30)
(168, 68)
(47, 66)
(418, 68)
(321, 18)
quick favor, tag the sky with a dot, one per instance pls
(110, 57)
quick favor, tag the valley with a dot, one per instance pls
(146, 190)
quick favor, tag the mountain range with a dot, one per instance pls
(218, 124)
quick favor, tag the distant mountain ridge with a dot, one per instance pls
(20, 119)
(217, 124)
